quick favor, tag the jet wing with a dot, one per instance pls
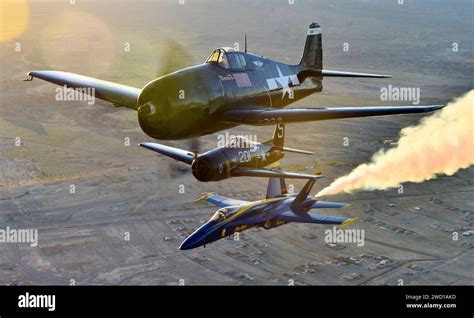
(250, 172)
(175, 153)
(120, 95)
(259, 116)
(309, 217)
(220, 200)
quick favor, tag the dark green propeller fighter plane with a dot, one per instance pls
(231, 88)
(276, 209)
(239, 157)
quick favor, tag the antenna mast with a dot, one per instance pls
(245, 43)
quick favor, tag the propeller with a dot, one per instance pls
(173, 57)
(194, 146)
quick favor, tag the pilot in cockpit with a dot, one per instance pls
(223, 61)
(228, 58)
(219, 216)
(224, 213)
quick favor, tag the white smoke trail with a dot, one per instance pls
(442, 143)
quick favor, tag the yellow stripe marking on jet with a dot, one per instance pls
(347, 222)
(204, 197)
(248, 206)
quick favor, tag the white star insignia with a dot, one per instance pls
(283, 81)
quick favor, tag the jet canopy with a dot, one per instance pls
(223, 213)
(228, 58)
(220, 215)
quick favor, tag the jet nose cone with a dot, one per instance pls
(189, 243)
(199, 238)
(184, 246)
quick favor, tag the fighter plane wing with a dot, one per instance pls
(259, 116)
(120, 95)
(175, 153)
(309, 217)
(250, 172)
(220, 200)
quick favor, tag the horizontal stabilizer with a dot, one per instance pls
(312, 72)
(328, 205)
(250, 172)
(290, 216)
(175, 153)
(305, 152)
(328, 73)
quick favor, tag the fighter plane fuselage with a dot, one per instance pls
(231, 88)
(237, 219)
(218, 164)
(267, 213)
(236, 157)
(182, 104)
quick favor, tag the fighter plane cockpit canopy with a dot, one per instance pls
(228, 58)
(219, 216)
(223, 213)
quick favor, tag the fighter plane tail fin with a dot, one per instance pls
(276, 186)
(312, 60)
(305, 191)
(313, 49)
(278, 139)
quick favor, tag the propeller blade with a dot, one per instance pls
(174, 57)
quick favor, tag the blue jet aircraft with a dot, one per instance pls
(276, 209)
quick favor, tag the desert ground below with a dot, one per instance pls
(126, 217)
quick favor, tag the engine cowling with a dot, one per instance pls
(212, 167)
